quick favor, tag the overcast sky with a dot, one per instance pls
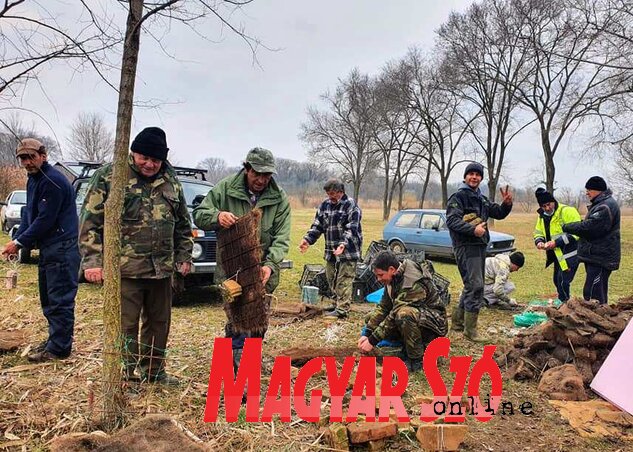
(216, 102)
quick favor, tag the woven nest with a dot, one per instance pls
(240, 252)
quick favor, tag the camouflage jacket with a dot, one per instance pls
(230, 195)
(412, 286)
(155, 227)
(496, 275)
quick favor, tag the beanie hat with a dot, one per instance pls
(596, 183)
(474, 167)
(152, 142)
(543, 196)
(517, 258)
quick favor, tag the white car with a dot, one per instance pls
(10, 212)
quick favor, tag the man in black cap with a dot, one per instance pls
(497, 284)
(466, 214)
(560, 247)
(599, 244)
(156, 237)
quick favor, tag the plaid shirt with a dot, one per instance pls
(340, 224)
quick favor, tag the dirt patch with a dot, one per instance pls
(155, 432)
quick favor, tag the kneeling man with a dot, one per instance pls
(410, 309)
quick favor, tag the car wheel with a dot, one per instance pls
(397, 247)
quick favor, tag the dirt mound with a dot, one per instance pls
(157, 433)
(12, 340)
(563, 383)
(580, 332)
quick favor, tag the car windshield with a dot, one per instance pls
(193, 189)
(19, 197)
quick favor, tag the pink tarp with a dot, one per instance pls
(613, 380)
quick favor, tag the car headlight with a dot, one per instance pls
(196, 252)
(13, 213)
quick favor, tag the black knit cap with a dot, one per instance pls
(596, 183)
(517, 258)
(476, 167)
(543, 196)
(152, 142)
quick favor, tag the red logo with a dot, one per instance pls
(282, 394)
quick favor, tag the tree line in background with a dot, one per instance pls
(562, 66)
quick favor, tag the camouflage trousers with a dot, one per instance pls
(340, 276)
(416, 328)
(148, 300)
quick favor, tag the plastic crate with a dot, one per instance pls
(374, 248)
(442, 284)
(309, 273)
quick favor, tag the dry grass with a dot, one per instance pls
(41, 402)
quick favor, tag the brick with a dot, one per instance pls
(337, 436)
(443, 437)
(371, 431)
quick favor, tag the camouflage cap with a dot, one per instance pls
(29, 146)
(261, 160)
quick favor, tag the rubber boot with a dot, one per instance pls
(457, 320)
(470, 327)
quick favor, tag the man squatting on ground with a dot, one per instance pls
(466, 215)
(338, 218)
(599, 244)
(50, 224)
(155, 237)
(410, 310)
(497, 286)
(235, 196)
(560, 247)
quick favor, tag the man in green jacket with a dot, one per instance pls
(561, 248)
(155, 239)
(253, 187)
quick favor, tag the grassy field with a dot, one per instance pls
(38, 403)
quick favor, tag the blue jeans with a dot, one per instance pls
(58, 278)
(563, 279)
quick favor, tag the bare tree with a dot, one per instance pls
(13, 130)
(483, 65)
(216, 168)
(394, 131)
(90, 139)
(341, 133)
(444, 116)
(33, 37)
(569, 73)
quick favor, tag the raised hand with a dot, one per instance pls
(506, 195)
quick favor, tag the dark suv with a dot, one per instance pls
(195, 187)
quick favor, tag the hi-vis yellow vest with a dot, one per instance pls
(563, 215)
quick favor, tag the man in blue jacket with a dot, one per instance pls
(599, 245)
(51, 225)
(467, 211)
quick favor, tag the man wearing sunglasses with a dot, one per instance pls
(50, 224)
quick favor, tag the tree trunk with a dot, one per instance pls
(113, 400)
(492, 191)
(444, 183)
(550, 169)
(425, 186)
(401, 185)
(386, 205)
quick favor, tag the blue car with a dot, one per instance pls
(426, 230)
